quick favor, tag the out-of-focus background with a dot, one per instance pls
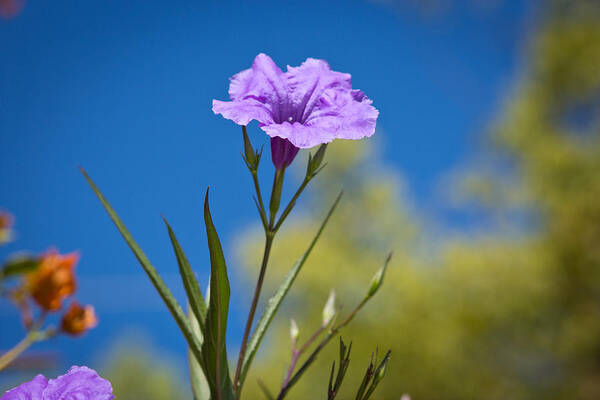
(483, 178)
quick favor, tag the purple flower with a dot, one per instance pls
(306, 106)
(81, 383)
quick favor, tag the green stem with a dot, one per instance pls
(270, 230)
(291, 204)
(276, 196)
(261, 206)
(296, 353)
(330, 335)
(261, 276)
(19, 348)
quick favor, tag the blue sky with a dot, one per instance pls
(124, 89)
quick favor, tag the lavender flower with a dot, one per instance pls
(304, 107)
(81, 383)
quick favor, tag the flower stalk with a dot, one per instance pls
(34, 335)
(271, 228)
(289, 382)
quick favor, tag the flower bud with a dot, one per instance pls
(294, 331)
(329, 309)
(251, 156)
(53, 280)
(78, 320)
(377, 279)
(276, 192)
(315, 162)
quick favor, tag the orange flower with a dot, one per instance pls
(53, 280)
(78, 320)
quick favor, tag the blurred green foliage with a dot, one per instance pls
(137, 372)
(509, 311)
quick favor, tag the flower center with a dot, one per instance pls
(290, 119)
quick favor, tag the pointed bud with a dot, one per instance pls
(294, 331)
(276, 193)
(329, 309)
(382, 369)
(251, 156)
(378, 278)
(315, 162)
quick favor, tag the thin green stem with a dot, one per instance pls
(291, 204)
(271, 227)
(276, 196)
(261, 276)
(18, 349)
(330, 335)
(261, 208)
(33, 335)
(296, 353)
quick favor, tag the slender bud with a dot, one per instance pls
(276, 193)
(294, 331)
(381, 370)
(378, 278)
(315, 162)
(329, 309)
(251, 156)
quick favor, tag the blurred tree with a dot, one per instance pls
(509, 312)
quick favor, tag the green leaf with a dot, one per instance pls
(190, 283)
(214, 348)
(164, 292)
(200, 386)
(275, 301)
(19, 265)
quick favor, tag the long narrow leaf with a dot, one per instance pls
(275, 301)
(190, 283)
(200, 386)
(214, 347)
(159, 284)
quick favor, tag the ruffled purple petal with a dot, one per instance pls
(264, 83)
(81, 383)
(263, 80)
(344, 115)
(299, 135)
(307, 83)
(31, 390)
(242, 112)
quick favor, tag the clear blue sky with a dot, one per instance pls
(124, 89)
